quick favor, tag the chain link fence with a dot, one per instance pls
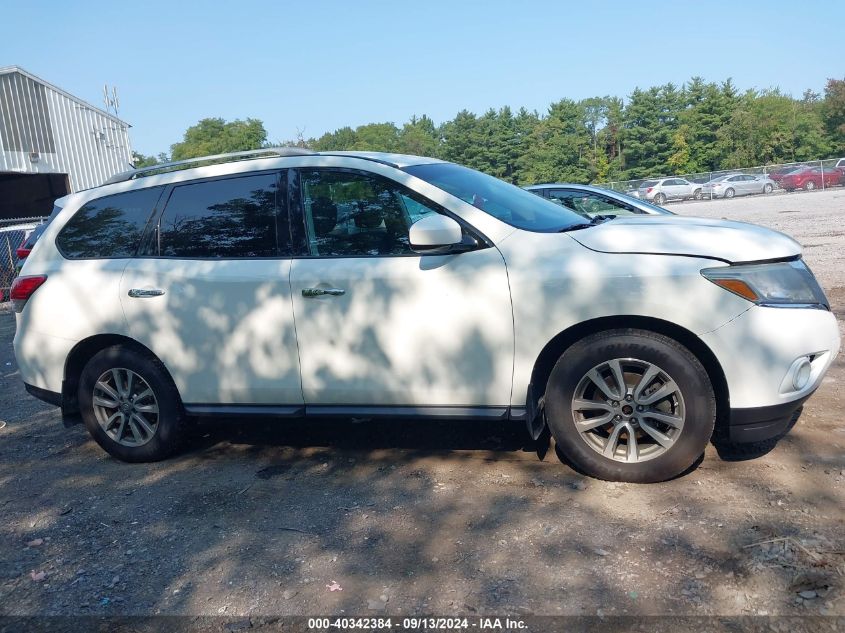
(12, 234)
(816, 175)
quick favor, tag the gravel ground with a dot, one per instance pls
(381, 518)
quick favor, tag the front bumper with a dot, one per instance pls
(763, 423)
(758, 351)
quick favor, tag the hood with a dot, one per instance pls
(675, 235)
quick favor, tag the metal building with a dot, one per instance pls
(52, 144)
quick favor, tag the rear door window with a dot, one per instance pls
(224, 218)
(109, 227)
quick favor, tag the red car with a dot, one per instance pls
(811, 178)
(780, 172)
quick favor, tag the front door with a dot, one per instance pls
(211, 298)
(380, 325)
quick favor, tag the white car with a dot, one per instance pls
(292, 283)
(661, 190)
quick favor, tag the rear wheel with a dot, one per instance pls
(130, 405)
(729, 193)
(697, 194)
(810, 185)
(630, 405)
(660, 198)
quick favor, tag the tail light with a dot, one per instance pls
(22, 252)
(649, 189)
(23, 288)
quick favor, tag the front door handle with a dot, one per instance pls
(142, 293)
(319, 292)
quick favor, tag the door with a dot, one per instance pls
(211, 295)
(750, 185)
(674, 188)
(379, 325)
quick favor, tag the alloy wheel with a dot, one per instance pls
(126, 407)
(628, 410)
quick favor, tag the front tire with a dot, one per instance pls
(130, 405)
(630, 405)
(697, 195)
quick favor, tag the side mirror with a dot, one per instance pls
(439, 234)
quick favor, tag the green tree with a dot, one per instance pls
(341, 140)
(559, 147)
(420, 137)
(216, 136)
(833, 113)
(651, 121)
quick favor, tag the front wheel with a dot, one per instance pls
(630, 405)
(130, 405)
(697, 194)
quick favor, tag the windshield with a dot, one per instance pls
(642, 202)
(505, 202)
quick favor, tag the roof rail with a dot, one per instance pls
(267, 152)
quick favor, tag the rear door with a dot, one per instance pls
(210, 293)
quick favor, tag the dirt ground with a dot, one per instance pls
(444, 518)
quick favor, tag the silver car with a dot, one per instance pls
(589, 201)
(731, 185)
(661, 190)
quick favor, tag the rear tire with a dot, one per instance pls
(660, 198)
(697, 195)
(729, 193)
(130, 405)
(768, 189)
(670, 433)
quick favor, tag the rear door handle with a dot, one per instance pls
(319, 292)
(142, 293)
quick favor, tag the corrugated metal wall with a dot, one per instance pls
(67, 135)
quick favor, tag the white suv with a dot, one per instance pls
(291, 283)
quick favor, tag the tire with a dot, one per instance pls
(161, 432)
(660, 198)
(810, 185)
(729, 193)
(768, 189)
(697, 195)
(571, 393)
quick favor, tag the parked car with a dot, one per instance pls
(590, 202)
(731, 185)
(239, 288)
(10, 237)
(662, 190)
(28, 243)
(840, 164)
(811, 178)
(778, 173)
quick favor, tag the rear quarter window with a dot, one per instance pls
(108, 227)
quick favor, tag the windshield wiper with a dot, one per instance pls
(597, 219)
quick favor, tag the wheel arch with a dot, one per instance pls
(82, 352)
(562, 341)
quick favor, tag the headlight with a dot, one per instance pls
(781, 284)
